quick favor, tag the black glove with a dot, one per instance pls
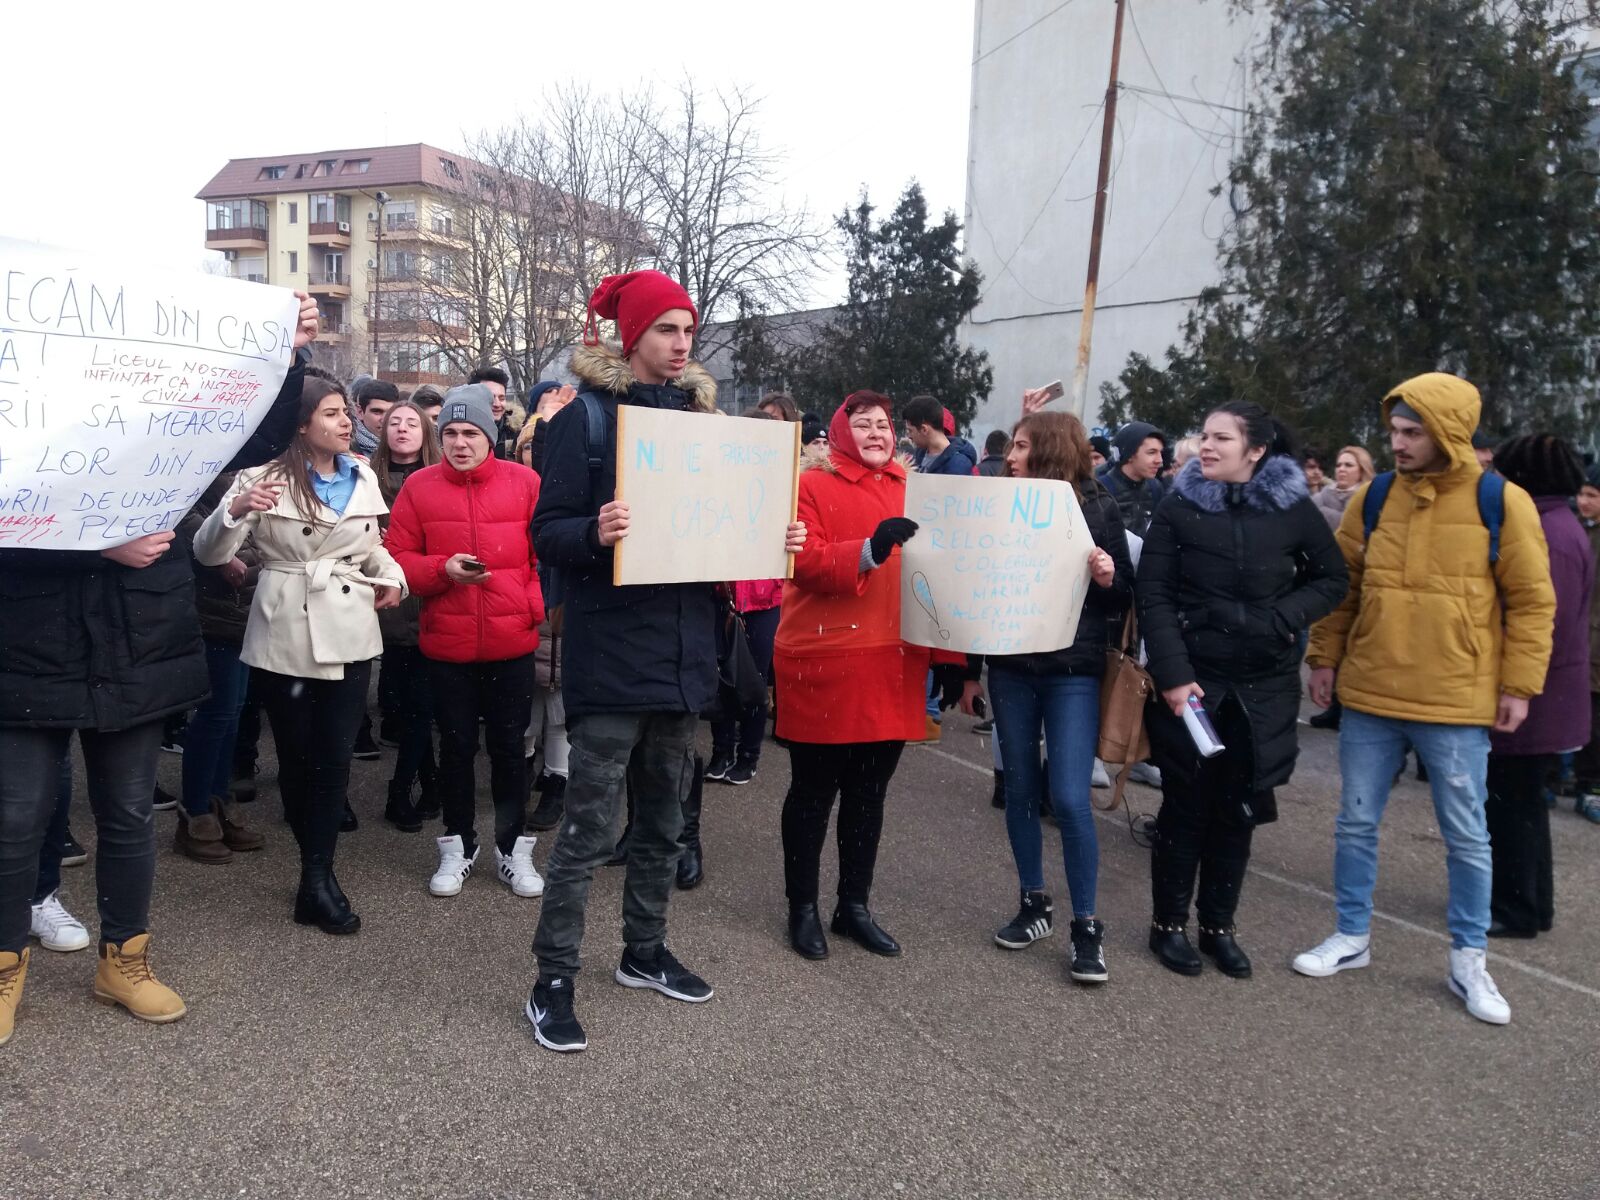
(891, 532)
(950, 679)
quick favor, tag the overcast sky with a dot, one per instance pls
(116, 116)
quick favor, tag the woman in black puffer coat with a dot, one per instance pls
(1237, 563)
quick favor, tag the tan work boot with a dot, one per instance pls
(124, 978)
(13, 970)
(235, 836)
(200, 838)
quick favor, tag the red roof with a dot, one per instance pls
(386, 166)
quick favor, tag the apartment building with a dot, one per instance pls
(371, 233)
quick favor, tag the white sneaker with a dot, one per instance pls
(56, 928)
(1146, 773)
(1341, 952)
(1098, 776)
(516, 869)
(454, 866)
(1469, 979)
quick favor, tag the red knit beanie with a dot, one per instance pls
(634, 301)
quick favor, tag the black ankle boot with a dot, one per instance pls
(691, 868)
(1170, 944)
(319, 901)
(1219, 946)
(552, 804)
(852, 920)
(348, 822)
(999, 797)
(805, 932)
(399, 811)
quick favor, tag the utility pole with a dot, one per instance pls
(1080, 377)
(380, 200)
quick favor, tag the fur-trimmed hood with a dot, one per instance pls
(603, 368)
(1278, 484)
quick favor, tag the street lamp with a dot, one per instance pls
(381, 198)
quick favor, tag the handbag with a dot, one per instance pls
(737, 672)
(1124, 689)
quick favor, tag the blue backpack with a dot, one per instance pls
(1491, 506)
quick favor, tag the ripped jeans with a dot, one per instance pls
(1371, 751)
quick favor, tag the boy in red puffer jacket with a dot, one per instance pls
(459, 530)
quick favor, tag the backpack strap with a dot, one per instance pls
(1492, 509)
(1372, 503)
(594, 434)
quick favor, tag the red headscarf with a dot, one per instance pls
(842, 441)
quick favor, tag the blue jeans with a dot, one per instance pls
(208, 743)
(1371, 750)
(1066, 709)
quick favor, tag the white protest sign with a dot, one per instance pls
(997, 566)
(124, 391)
(710, 497)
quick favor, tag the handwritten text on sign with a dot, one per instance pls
(123, 391)
(997, 566)
(710, 497)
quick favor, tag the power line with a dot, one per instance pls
(1023, 30)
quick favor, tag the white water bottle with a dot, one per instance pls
(1200, 728)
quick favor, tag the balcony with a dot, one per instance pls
(333, 331)
(334, 283)
(329, 233)
(249, 237)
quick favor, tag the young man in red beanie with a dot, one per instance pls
(639, 663)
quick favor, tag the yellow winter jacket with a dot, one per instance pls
(1430, 630)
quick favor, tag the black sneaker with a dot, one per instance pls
(72, 854)
(1034, 920)
(739, 774)
(552, 803)
(366, 748)
(549, 1009)
(1088, 956)
(164, 800)
(389, 731)
(717, 771)
(665, 974)
(171, 745)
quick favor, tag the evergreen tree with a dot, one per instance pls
(1415, 191)
(897, 333)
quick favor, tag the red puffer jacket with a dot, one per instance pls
(484, 512)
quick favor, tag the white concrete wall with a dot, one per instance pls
(1033, 151)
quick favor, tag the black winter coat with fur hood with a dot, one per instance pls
(1230, 577)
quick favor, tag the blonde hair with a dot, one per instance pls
(1363, 461)
(1185, 449)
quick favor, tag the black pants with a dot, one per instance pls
(314, 724)
(1523, 895)
(858, 773)
(411, 703)
(1586, 763)
(501, 694)
(122, 781)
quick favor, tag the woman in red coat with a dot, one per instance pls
(459, 530)
(850, 692)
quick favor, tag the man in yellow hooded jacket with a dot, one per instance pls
(1434, 645)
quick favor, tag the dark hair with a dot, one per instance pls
(1310, 454)
(490, 375)
(315, 372)
(1260, 428)
(924, 410)
(427, 456)
(427, 396)
(996, 442)
(760, 414)
(783, 402)
(375, 389)
(1058, 447)
(1541, 464)
(290, 466)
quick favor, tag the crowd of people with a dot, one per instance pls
(464, 543)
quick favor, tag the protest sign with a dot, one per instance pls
(711, 497)
(124, 391)
(997, 566)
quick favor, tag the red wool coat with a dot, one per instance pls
(484, 512)
(842, 672)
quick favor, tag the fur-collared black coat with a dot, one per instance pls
(640, 648)
(1230, 577)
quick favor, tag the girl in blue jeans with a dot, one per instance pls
(1056, 694)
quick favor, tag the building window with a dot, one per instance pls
(324, 167)
(294, 262)
(237, 214)
(400, 214)
(273, 172)
(326, 208)
(399, 264)
(450, 169)
(294, 212)
(355, 166)
(443, 221)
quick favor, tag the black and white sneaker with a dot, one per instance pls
(664, 974)
(164, 800)
(72, 854)
(1088, 954)
(549, 1009)
(719, 766)
(1034, 920)
(739, 774)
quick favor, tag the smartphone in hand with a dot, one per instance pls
(1054, 390)
(473, 565)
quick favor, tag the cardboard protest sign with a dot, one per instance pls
(124, 391)
(711, 497)
(997, 566)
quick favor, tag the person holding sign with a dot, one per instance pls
(1057, 694)
(1236, 564)
(850, 692)
(313, 628)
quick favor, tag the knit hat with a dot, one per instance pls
(538, 390)
(949, 423)
(633, 301)
(1591, 475)
(1101, 445)
(472, 403)
(1399, 408)
(811, 428)
(1126, 441)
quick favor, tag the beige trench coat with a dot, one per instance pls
(313, 606)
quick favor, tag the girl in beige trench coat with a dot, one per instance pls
(312, 514)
